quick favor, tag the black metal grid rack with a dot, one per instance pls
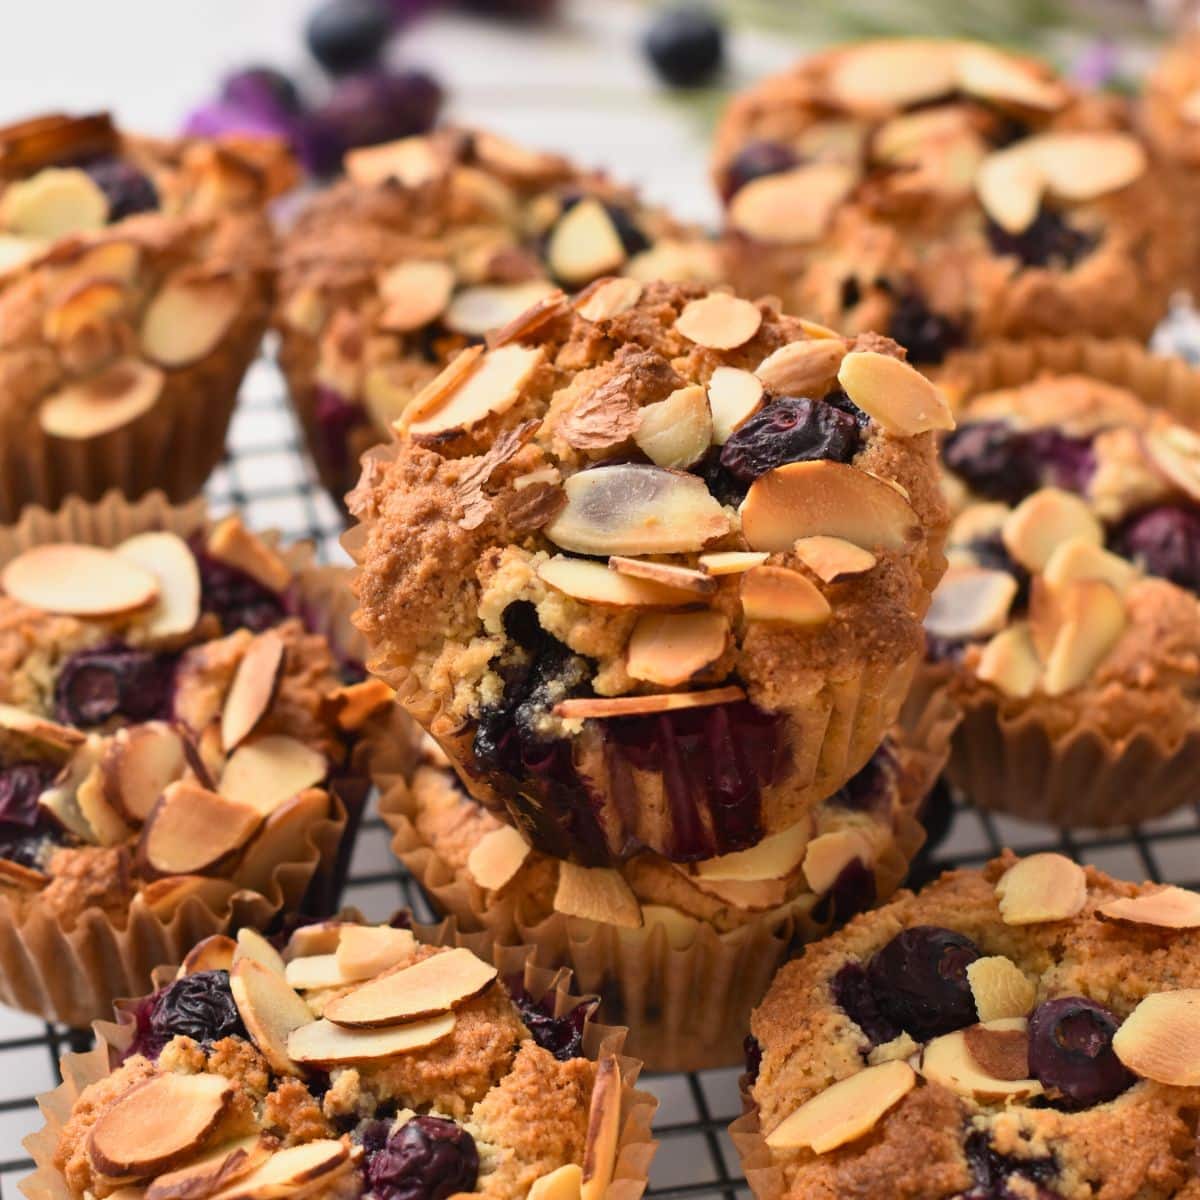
(268, 477)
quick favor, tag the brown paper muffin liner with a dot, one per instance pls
(635, 1144)
(1013, 763)
(74, 975)
(684, 989)
(763, 1175)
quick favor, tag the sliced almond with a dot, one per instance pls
(215, 953)
(1175, 454)
(893, 393)
(92, 302)
(188, 318)
(78, 580)
(497, 857)
(324, 1044)
(293, 1171)
(165, 897)
(777, 594)
(170, 560)
(314, 973)
(105, 821)
(792, 206)
(802, 368)
(830, 558)
(356, 703)
(1081, 558)
(775, 857)
(670, 648)
(364, 951)
(1167, 908)
(476, 311)
(594, 583)
(732, 562)
(1000, 1049)
(24, 734)
(1082, 166)
(596, 894)
(322, 937)
(947, 1061)
(1093, 621)
(410, 161)
(1044, 521)
(631, 509)
(734, 396)
(807, 499)
(844, 1112)
(432, 986)
(270, 1009)
(676, 432)
(894, 73)
(1000, 988)
(232, 543)
(977, 521)
(285, 837)
(191, 830)
(970, 602)
(262, 774)
(114, 397)
(1040, 888)
(719, 321)
(53, 203)
(608, 298)
(1009, 185)
(1010, 662)
(158, 1123)
(636, 706)
(253, 689)
(603, 1130)
(252, 944)
(563, 1183)
(1160, 1039)
(211, 1174)
(584, 244)
(830, 853)
(997, 76)
(682, 578)
(414, 293)
(491, 386)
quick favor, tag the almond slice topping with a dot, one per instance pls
(270, 770)
(115, 397)
(845, 1111)
(584, 243)
(596, 894)
(139, 763)
(497, 857)
(1010, 662)
(364, 951)
(425, 989)
(415, 293)
(777, 594)
(603, 1130)
(676, 432)
(948, 1061)
(215, 953)
(356, 703)
(608, 298)
(1175, 454)
(91, 302)
(830, 558)
(669, 648)
(1000, 988)
(830, 853)
(1167, 908)
(1160, 1039)
(24, 734)
(1084, 165)
(792, 206)
(191, 830)
(996, 76)
(252, 944)
(732, 562)
(210, 1174)
(970, 601)
(231, 542)
(1009, 186)
(719, 321)
(293, 1171)
(253, 689)
(775, 857)
(683, 578)
(1081, 558)
(802, 368)
(54, 202)
(894, 73)
(78, 580)
(594, 583)
(893, 393)
(314, 973)
(169, 559)
(633, 706)
(734, 396)
(271, 1010)
(410, 161)
(1093, 619)
(476, 311)
(563, 1183)
(1040, 888)
(188, 318)
(1043, 521)
(324, 1044)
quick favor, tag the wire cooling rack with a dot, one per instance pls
(269, 478)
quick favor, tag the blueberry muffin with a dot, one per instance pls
(651, 568)
(945, 193)
(174, 739)
(1028, 1030)
(360, 1062)
(430, 243)
(135, 285)
(1068, 625)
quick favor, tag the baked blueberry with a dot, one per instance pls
(1070, 1052)
(791, 429)
(756, 160)
(1049, 241)
(853, 994)
(919, 980)
(113, 680)
(348, 35)
(199, 1006)
(562, 1036)
(427, 1158)
(686, 45)
(127, 189)
(928, 336)
(1164, 541)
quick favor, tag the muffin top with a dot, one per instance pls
(168, 727)
(358, 1058)
(1075, 557)
(1025, 1030)
(1171, 102)
(940, 192)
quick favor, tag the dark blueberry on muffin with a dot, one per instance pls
(1070, 1051)
(920, 980)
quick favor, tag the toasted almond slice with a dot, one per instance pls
(594, 583)
(476, 311)
(734, 396)
(497, 857)
(603, 1130)
(1000, 1049)
(283, 838)
(608, 298)
(845, 1111)
(1043, 521)
(596, 894)
(78, 580)
(26, 735)
(364, 951)
(424, 989)
(994, 75)
(291, 1172)
(1081, 558)
(775, 857)
(1040, 888)
(802, 368)
(633, 706)
(321, 937)
(158, 1123)
(792, 206)
(584, 244)
(719, 321)
(314, 973)
(676, 432)
(270, 770)
(53, 203)
(214, 953)
(777, 594)
(893, 393)
(324, 1044)
(107, 825)
(491, 387)
(894, 73)
(830, 558)
(252, 944)
(947, 1061)
(1000, 988)
(215, 1171)
(732, 562)
(191, 830)
(253, 689)
(977, 521)
(89, 303)
(970, 601)
(270, 1009)
(232, 543)
(356, 703)
(188, 318)
(805, 499)
(563, 1183)
(1009, 184)
(669, 648)
(1175, 453)
(169, 559)
(15, 251)
(830, 853)
(749, 894)
(166, 897)
(1167, 908)
(411, 161)
(414, 293)
(115, 397)
(631, 509)
(1085, 165)
(1093, 620)
(682, 578)
(1160, 1039)
(1010, 662)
